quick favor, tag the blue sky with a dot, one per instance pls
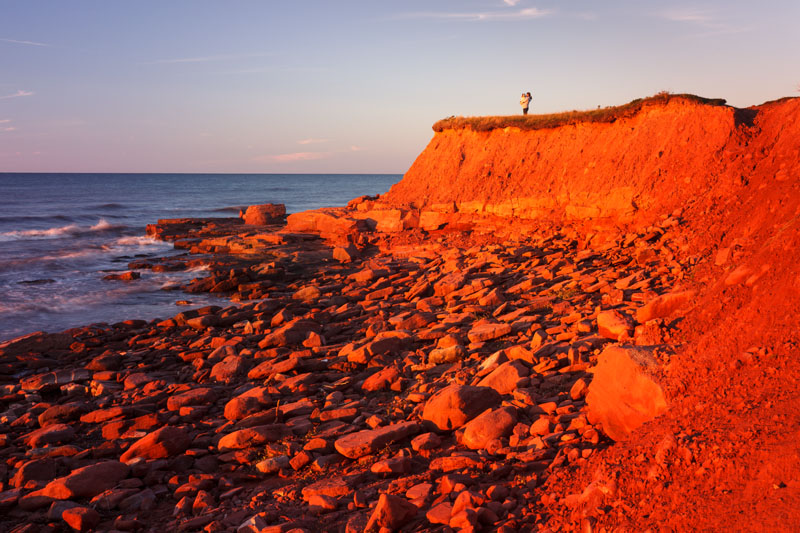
(349, 86)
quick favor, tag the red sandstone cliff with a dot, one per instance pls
(666, 157)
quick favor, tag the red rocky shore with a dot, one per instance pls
(398, 371)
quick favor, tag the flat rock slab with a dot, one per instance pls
(487, 332)
(369, 441)
(86, 482)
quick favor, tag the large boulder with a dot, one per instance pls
(455, 405)
(86, 482)
(261, 215)
(625, 393)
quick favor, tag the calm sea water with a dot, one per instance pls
(61, 233)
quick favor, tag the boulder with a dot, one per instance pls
(198, 396)
(614, 325)
(261, 215)
(391, 512)
(369, 441)
(86, 482)
(81, 518)
(163, 442)
(488, 426)
(455, 405)
(245, 438)
(624, 393)
(505, 377)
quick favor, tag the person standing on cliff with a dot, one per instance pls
(525, 101)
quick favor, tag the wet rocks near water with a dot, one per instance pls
(411, 382)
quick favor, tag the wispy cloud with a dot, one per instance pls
(28, 43)
(482, 16)
(9, 128)
(16, 95)
(295, 156)
(704, 19)
(204, 59)
(5, 121)
(312, 141)
(511, 3)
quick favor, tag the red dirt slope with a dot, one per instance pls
(726, 454)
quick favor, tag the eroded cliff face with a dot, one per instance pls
(631, 171)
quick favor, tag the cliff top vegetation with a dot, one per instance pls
(554, 120)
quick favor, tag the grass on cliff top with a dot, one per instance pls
(538, 122)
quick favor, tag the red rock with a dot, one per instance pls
(34, 470)
(62, 413)
(54, 379)
(440, 514)
(320, 502)
(245, 438)
(334, 487)
(467, 500)
(291, 333)
(81, 518)
(578, 389)
(241, 407)
(164, 442)
(488, 426)
(455, 405)
(103, 415)
(124, 276)
(325, 221)
(623, 394)
(426, 441)
(395, 465)
(465, 520)
(504, 378)
(664, 305)
(264, 214)
(198, 396)
(488, 332)
(229, 369)
(381, 380)
(346, 254)
(391, 512)
(366, 442)
(52, 434)
(614, 325)
(86, 482)
(450, 354)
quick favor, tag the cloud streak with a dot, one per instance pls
(312, 141)
(295, 156)
(27, 43)
(701, 18)
(484, 16)
(16, 95)
(204, 59)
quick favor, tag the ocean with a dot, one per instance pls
(61, 233)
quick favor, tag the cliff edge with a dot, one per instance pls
(673, 153)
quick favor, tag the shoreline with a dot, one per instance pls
(347, 385)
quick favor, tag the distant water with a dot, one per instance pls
(61, 233)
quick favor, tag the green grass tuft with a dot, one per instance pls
(555, 120)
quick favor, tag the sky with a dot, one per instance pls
(344, 86)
